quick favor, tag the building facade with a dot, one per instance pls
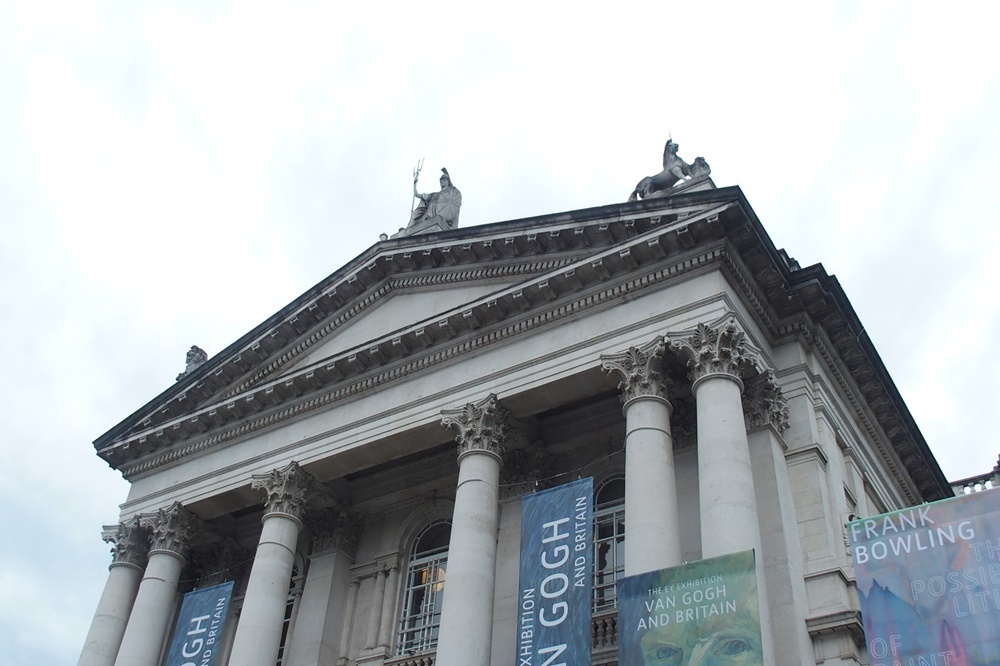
(356, 463)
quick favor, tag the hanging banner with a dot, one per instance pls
(705, 612)
(554, 618)
(199, 626)
(929, 582)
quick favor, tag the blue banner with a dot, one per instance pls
(198, 631)
(554, 600)
(929, 582)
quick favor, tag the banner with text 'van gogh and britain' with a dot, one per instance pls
(704, 613)
(198, 631)
(929, 582)
(556, 577)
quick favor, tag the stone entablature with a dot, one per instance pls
(583, 260)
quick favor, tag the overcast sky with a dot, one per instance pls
(173, 173)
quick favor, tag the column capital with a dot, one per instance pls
(523, 469)
(639, 370)
(482, 426)
(287, 489)
(173, 527)
(764, 404)
(335, 528)
(714, 349)
(130, 542)
(218, 562)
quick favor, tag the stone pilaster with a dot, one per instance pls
(172, 529)
(326, 603)
(467, 612)
(764, 404)
(128, 560)
(258, 635)
(651, 511)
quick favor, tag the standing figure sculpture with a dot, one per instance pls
(675, 170)
(437, 211)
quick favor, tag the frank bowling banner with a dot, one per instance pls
(929, 582)
(557, 528)
(199, 626)
(703, 613)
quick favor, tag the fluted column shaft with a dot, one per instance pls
(154, 602)
(258, 635)
(652, 518)
(467, 612)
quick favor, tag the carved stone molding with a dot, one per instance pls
(218, 562)
(713, 349)
(130, 542)
(764, 403)
(335, 528)
(482, 426)
(640, 371)
(524, 470)
(173, 528)
(287, 489)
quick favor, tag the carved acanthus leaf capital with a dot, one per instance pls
(288, 489)
(713, 349)
(639, 370)
(524, 470)
(130, 542)
(218, 562)
(173, 528)
(482, 426)
(764, 403)
(335, 528)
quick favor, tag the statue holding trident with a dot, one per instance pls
(437, 211)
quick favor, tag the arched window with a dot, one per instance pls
(425, 575)
(609, 541)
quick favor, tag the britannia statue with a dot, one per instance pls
(437, 211)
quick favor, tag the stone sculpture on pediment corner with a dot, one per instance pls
(675, 172)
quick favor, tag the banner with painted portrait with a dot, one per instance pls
(704, 613)
(929, 582)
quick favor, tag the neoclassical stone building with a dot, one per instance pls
(356, 463)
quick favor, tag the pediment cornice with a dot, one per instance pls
(569, 288)
(546, 269)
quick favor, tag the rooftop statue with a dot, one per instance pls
(195, 357)
(675, 171)
(437, 211)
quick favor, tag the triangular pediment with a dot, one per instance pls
(409, 296)
(399, 310)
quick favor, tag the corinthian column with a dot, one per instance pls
(258, 635)
(154, 603)
(467, 611)
(716, 356)
(131, 544)
(651, 515)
